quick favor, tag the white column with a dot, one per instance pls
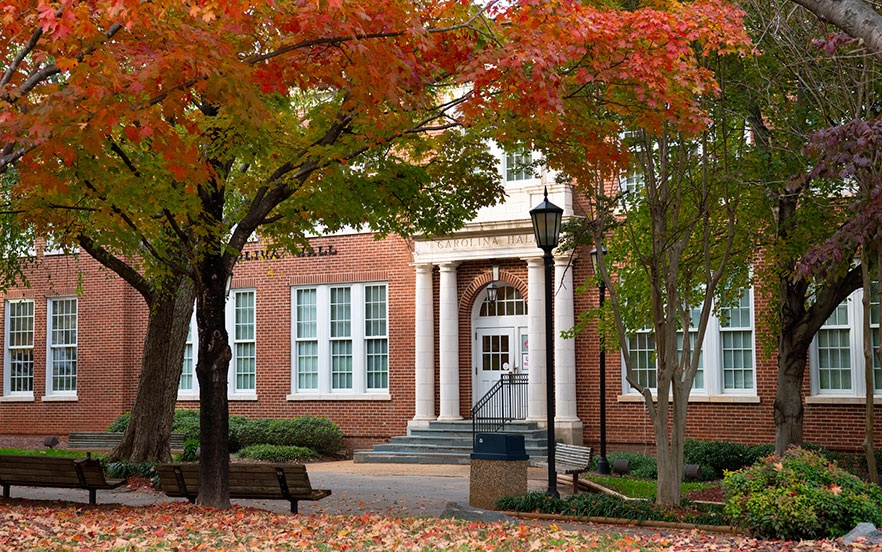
(448, 344)
(566, 418)
(424, 348)
(536, 409)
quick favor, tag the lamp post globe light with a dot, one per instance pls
(546, 219)
(492, 292)
(602, 462)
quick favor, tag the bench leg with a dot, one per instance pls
(293, 506)
(6, 491)
(93, 499)
(576, 483)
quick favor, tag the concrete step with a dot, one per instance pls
(466, 425)
(363, 456)
(441, 439)
(366, 456)
(419, 448)
(467, 435)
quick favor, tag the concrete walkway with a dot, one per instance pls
(383, 489)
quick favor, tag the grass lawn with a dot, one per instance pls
(48, 452)
(642, 488)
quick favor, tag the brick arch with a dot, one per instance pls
(475, 286)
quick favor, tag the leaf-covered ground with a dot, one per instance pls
(181, 527)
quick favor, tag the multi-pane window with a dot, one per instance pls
(509, 302)
(241, 317)
(837, 361)
(725, 358)
(874, 331)
(340, 336)
(736, 337)
(631, 184)
(62, 333)
(19, 347)
(642, 348)
(834, 352)
(518, 166)
(305, 339)
(376, 337)
(244, 341)
(186, 385)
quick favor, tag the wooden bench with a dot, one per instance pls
(572, 460)
(52, 471)
(270, 481)
(101, 441)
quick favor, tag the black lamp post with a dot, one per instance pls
(602, 462)
(546, 225)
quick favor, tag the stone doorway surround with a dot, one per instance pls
(484, 241)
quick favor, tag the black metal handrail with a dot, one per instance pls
(505, 402)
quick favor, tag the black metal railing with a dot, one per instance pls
(505, 402)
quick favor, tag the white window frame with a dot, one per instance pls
(7, 358)
(192, 393)
(712, 365)
(856, 344)
(51, 392)
(325, 390)
(527, 171)
(233, 393)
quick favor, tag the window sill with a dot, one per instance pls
(59, 398)
(188, 397)
(339, 397)
(715, 399)
(242, 397)
(17, 398)
(833, 399)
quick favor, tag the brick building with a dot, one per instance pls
(385, 335)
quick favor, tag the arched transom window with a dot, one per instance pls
(509, 302)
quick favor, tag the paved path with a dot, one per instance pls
(383, 489)
(386, 489)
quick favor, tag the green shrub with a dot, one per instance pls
(319, 434)
(718, 457)
(189, 454)
(604, 505)
(120, 423)
(123, 469)
(801, 495)
(186, 422)
(236, 425)
(277, 453)
(641, 466)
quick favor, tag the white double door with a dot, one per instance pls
(498, 350)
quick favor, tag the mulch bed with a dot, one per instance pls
(712, 494)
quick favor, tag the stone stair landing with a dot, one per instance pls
(447, 443)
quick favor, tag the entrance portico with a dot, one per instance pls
(515, 339)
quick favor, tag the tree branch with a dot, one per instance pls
(117, 265)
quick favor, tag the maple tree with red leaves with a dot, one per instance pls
(174, 131)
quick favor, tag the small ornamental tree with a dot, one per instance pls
(196, 125)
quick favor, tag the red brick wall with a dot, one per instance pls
(112, 320)
(111, 325)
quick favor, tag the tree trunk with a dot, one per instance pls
(211, 369)
(789, 410)
(869, 388)
(147, 435)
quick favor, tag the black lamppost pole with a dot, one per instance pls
(602, 462)
(546, 219)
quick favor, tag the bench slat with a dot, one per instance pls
(246, 481)
(47, 471)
